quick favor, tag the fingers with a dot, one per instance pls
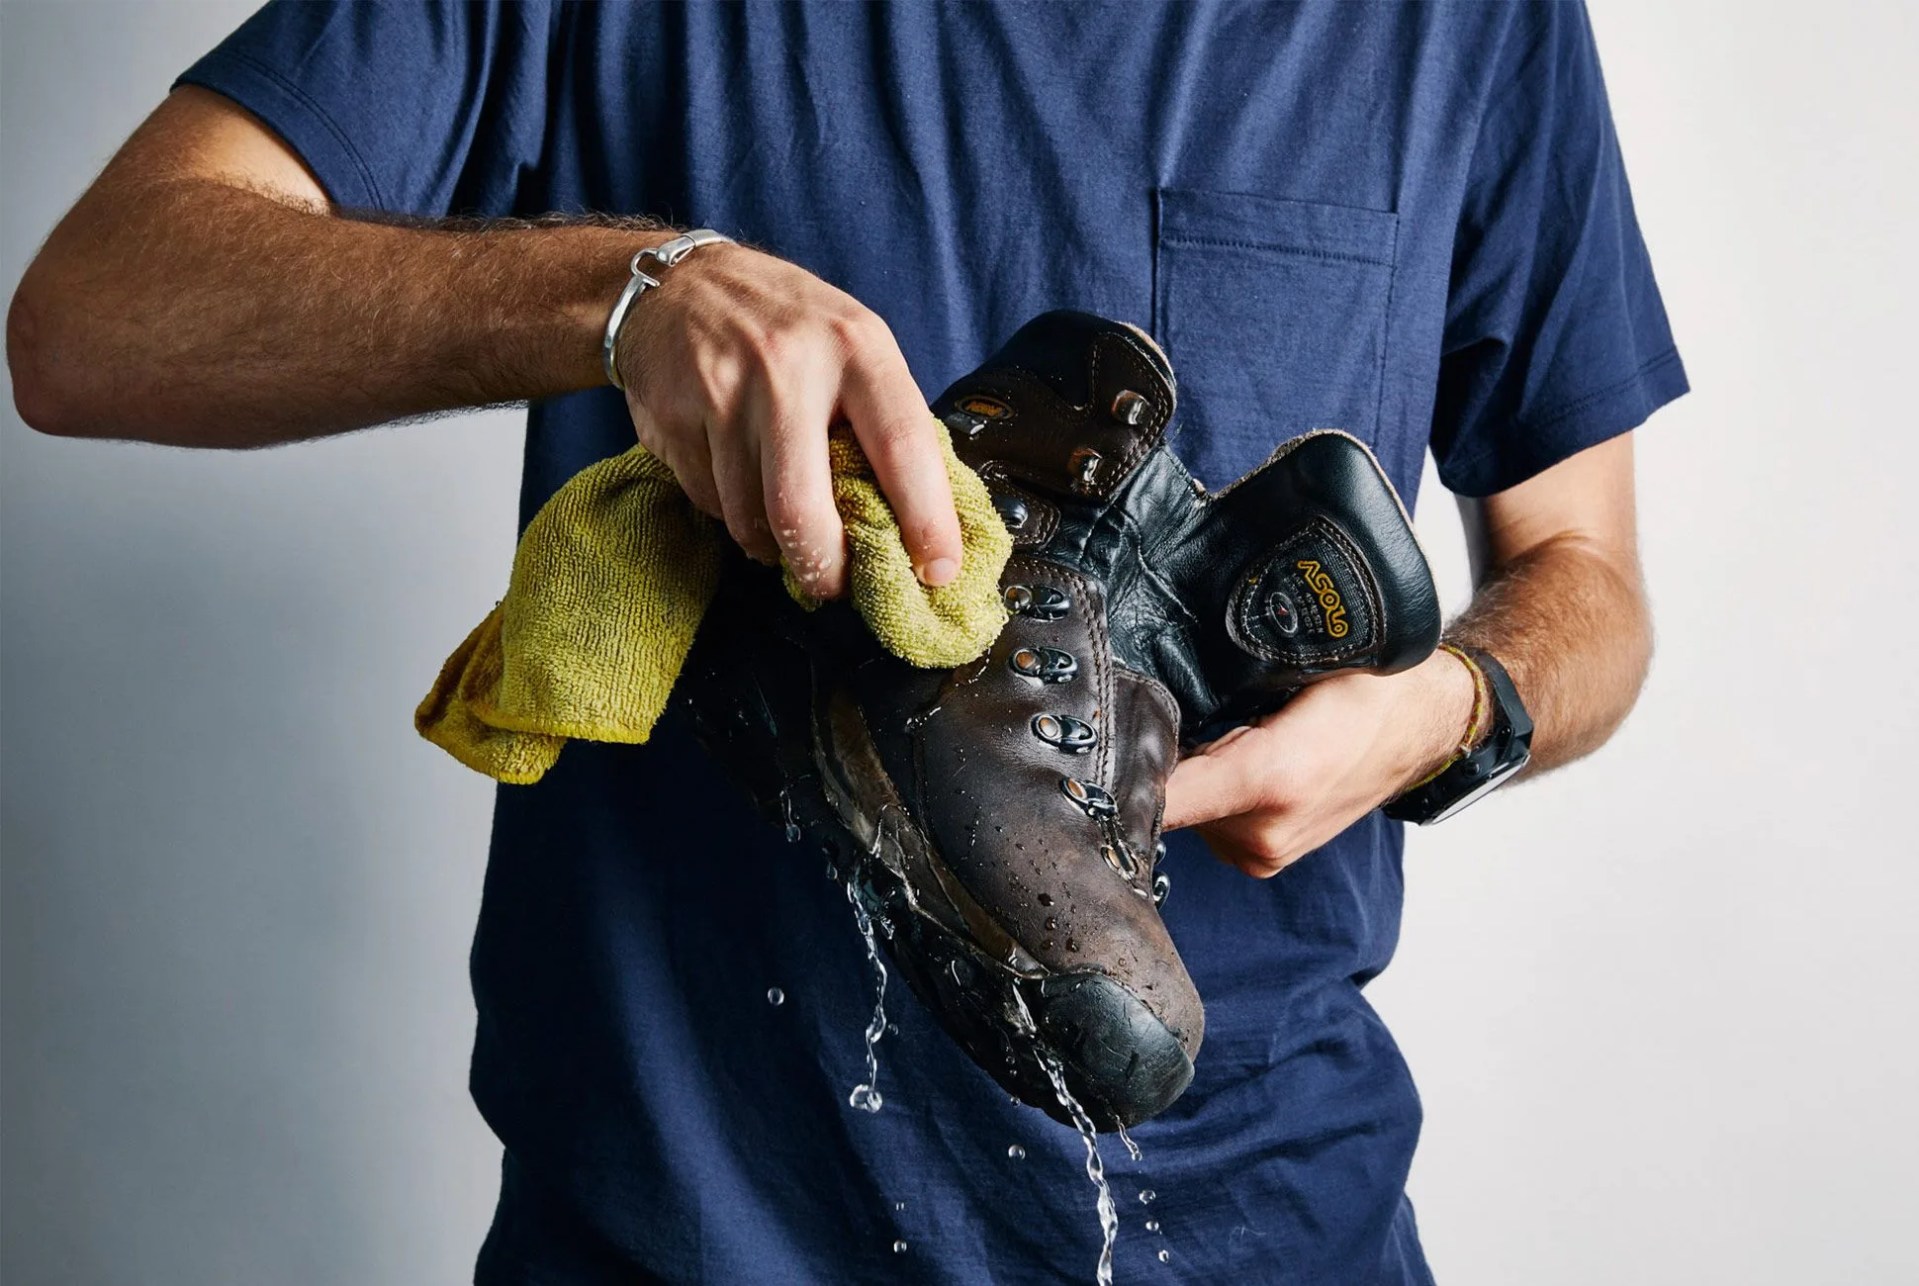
(894, 428)
(798, 488)
(1257, 801)
(736, 475)
(687, 455)
(749, 358)
(1206, 787)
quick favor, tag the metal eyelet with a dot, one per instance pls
(1092, 800)
(1130, 408)
(1063, 732)
(1012, 511)
(964, 423)
(1085, 464)
(1121, 859)
(1040, 602)
(1047, 664)
(1161, 887)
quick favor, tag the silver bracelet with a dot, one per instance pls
(667, 253)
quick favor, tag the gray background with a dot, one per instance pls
(1661, 1007)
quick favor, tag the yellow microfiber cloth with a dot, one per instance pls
(612, 577)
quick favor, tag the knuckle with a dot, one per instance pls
(858, 329)
(774, 348)
(1263, 870)
(932, 536)
(896, 442)
(1268, 855)
(716, 381)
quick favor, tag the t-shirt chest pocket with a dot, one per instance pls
(1274, 313)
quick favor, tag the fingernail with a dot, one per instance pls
(938, 572)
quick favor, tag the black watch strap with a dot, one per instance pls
(1477, 773)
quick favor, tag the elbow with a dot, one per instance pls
(46, 393)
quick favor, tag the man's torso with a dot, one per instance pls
(1272, 193)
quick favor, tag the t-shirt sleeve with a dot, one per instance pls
(1555, 337)
(408, 108)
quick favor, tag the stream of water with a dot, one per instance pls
(866, 1095)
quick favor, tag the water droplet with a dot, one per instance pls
(1072, 944)
(1146, 1196)
(865, 1098)
(1132, 1148)
(899, 1248)
(774, 996)
(899, 1205)
(1165, 1257)
(1016, 1152)
(1152, 1225)
(1052, 922)
(892, 1029)
(1045, 944)
(1046, 899)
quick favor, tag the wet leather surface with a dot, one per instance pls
(1182, 613)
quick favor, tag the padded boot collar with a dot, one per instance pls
(1067, 408)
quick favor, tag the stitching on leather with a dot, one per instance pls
(1169, 706)
(1163, 413)
(1139, 373)
(1042, 514)
(1103, 678)
(1240, 615)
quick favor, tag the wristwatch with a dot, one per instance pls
(1480, 769)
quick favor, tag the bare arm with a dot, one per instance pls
(1561, 600)
(1560, 603)
(202, 293)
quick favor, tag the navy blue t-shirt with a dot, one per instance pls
(1408, 222)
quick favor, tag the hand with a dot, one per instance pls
(735, 367)
(1266, 794)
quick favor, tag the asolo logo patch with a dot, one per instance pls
(1328, 593)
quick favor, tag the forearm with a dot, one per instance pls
(195, 312)
(1568, 620)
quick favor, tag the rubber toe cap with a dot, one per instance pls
(1119, 1059)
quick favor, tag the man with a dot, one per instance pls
(1411, 223)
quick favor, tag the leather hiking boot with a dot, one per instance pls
(1001, 820)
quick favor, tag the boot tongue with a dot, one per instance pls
(1067, 407)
